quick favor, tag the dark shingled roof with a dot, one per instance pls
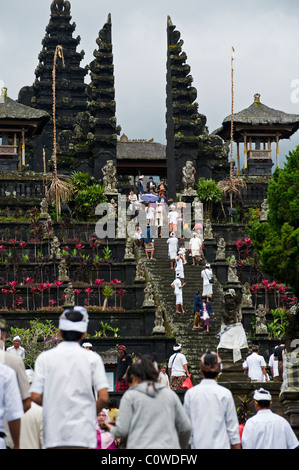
(258, 114)
(142, 150)
(11, 110)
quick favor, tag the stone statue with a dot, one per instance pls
(55, 248)
(109, 178)
(63, 271)
(44, 209)
(140, 272)
(246, 295)
(148, 296)
(208, 234)
(112, 209)
(48, 228)
(232, 270)
(129, 249)
(264, 211)
(232, 303)
(159, 321)
(260, 324)
(69, 300)
(121, 227)
(188, 179)
(220, 253)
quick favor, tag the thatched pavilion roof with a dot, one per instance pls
(17, 114)
(260, 118)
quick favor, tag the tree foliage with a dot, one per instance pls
(277, 239)
(208, 193)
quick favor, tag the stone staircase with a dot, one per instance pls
(194, 342)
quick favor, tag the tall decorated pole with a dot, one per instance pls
(58, 190)
(231, 185)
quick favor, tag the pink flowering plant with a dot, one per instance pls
(37, 338)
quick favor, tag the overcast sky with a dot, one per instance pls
(264, 33)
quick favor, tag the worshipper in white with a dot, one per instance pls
(163, 376)
(11, 406)
(255, 366)
(179, 267)
(172, 243)
(17, 349)
(178, 368)
(207, 286)
(31, 436)
(63, 384)
(173, 219)
(211, 409)
(195, 249)
(274, 368)
(267, 430)
(178, 291)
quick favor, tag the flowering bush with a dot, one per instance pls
(37, 338)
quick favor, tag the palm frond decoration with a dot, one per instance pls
(58, 190)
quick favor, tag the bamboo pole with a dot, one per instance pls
(58, 190)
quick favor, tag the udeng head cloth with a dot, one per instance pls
(67, 325)
(210, 362)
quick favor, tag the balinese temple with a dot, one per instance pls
(17, 124)
(257, 129)
(187, 134)
(70, 85)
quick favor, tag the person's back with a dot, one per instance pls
(31, 436)
(267, 430)
(67, 393)
(255, 363)
(213, 416)
(64, 383)
(153, 418)
(211, 409)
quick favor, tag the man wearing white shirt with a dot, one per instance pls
(267, 430)
(178, 291)
(178, 368)
(11, 406)
(17, 349)
(255, 366)
(173, 219)
(211, 409)
(63, 384)
(274, 368)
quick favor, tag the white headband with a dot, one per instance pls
(68, 325)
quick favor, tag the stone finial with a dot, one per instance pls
(257, 98)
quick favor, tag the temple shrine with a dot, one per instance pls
(257, 128)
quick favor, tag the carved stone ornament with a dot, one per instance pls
(148, 296)
(159, 321)
(188, 179)
(220, 253)
(260, 324)
(232, 270)
(109, 177)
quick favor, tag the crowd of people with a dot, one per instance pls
(64, 403)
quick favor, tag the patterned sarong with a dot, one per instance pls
(177, 382)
